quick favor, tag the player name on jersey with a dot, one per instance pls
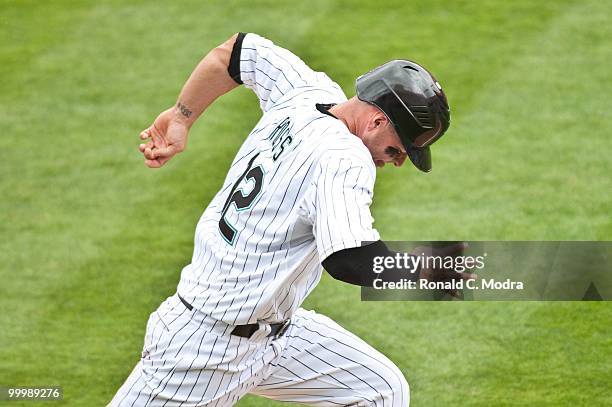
(280, 138)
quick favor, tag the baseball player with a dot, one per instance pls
(296, 196)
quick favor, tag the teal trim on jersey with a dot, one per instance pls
(232, 203)
(263, 180)
(235, 234)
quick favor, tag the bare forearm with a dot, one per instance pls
(209, 80)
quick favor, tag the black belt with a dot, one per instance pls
(246, 331)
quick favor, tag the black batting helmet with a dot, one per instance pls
(413, 101)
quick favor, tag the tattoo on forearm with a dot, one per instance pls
(184, 110)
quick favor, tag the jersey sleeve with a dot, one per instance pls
(267, 69)
(344, 191)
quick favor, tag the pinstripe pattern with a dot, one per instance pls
(310, 198)
(307, 202)
(322, 364)
(317, 362)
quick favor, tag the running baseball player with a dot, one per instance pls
(296, 196)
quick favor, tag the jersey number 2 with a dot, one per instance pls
(241, 201)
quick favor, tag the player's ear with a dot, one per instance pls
(380, 120)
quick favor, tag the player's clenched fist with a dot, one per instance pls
(166, 137)
(433, 273)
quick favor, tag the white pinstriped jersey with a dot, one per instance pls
(298, 190)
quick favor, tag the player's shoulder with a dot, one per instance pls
(337, 144)
(308, 122)
(342, 145)
(303, 98)
(322, 136)
(327, 133)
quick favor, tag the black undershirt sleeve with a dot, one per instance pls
(234, 65)
(355, 265)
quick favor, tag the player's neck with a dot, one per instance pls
(343, 112)
(350, 113)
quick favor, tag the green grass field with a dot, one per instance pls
(92, 240)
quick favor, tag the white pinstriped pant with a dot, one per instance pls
(190, 359)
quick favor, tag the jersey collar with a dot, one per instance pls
(324, 108)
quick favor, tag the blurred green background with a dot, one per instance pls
(92, 240)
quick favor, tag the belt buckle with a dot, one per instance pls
(283, 329)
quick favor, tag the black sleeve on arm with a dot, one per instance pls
(355, 266)
(234, 65)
